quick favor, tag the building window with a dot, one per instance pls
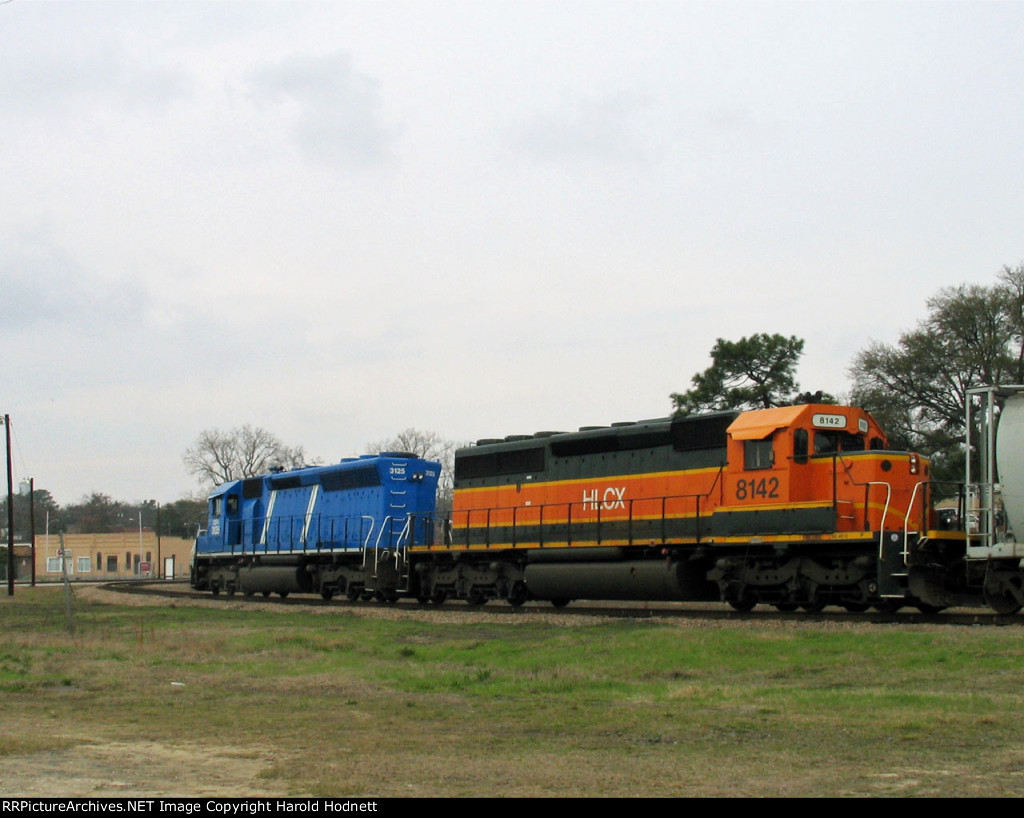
(112, 564)
(99, 561)
(53, 564)
(84, 565)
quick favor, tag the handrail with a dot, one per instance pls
(369, 533)
(885, 512)
(323, 533)
(593, 511)
(906, 520)
(388, 524)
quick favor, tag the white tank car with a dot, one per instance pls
(1010, 460)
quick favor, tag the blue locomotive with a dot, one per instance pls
(345, 528)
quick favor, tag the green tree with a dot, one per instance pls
(183, 517)
(754, 372)
(96, 514)
(1011, 281)
(917, 388)
(45, 509)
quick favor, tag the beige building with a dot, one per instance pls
(100, 557)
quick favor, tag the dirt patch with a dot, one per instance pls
(115, 769)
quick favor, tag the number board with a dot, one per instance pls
(820, 420)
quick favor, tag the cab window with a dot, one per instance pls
(832, 442)
(800, 445)
(757, 454)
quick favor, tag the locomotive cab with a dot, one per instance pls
(223, 530)
(824, 513)
(225, 515)
(813, 469)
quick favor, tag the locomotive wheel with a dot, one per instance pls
(248, 594)
(743, 601)
(283, 594)
(560, 602)
(326, 592)
(925, 608)
(266, 594)
(786, 607)
(438, 597)
(517, 595)
(352, 593)
(476, 597)
(889, 605)
(817, 605)
(1002, 603)
(855, 607)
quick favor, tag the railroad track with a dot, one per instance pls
(627, 610)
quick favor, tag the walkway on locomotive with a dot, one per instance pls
(380, 501)
(806, 472)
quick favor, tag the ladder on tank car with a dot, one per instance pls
(983, 518)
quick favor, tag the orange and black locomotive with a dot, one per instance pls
(793, 506)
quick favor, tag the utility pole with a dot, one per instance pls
(67, 585)
(32, 523)
(159, 564)
(10, 510)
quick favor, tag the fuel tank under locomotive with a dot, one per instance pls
(573, 573)
(280, 579)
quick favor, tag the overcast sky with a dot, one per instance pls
(339, 220)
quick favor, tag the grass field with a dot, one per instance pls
(238, 699)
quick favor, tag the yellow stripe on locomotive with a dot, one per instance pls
(797, 470)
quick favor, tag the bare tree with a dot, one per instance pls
(218, 456)
(429, 446)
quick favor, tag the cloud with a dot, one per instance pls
(53, 76)
(605, 129)
(43, 285)
(334, 110)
